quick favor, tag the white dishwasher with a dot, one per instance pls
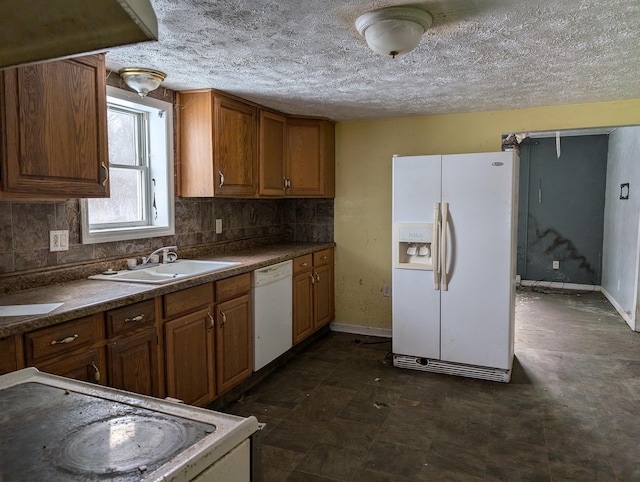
(272, 296)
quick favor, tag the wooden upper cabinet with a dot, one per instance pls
(272, 154)
(53, 118)
(310, 166)
(218, 145)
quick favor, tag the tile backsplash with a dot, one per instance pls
(25, 226)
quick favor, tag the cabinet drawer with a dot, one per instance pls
(322, 257)
(186, 301)
(302, 263)
(55, 340)
(130, 317)
(232, 287)
(86, 366)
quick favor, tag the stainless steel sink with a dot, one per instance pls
(166, 273)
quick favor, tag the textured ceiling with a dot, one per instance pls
(306, 57)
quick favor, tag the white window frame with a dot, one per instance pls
(160, 168)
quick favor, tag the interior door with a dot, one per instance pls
(477, 308)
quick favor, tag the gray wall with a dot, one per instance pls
(566, 222)
(621, 218)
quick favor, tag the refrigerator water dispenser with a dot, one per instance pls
(412, 246)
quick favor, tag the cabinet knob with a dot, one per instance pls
(323, 258)
(304, 265)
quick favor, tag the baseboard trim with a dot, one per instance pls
(625, 316)
(560, 285)
(361, 330)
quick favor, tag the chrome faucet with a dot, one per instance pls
(167, 256)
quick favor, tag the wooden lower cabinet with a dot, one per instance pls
(313, 301)
(132, 348)
(234, 360)
(72, 349)
(133, 363)
(302, 306)
(87, 366)
(190, 358)
(8, 354)
(322, 296)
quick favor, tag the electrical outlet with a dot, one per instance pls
(556, 265)
(218, 226)
(59, 240)
(386, 290)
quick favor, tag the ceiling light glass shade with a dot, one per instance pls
(142, 80)
(394, 30)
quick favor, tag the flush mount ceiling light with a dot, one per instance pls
(142, 80)
(394, 30)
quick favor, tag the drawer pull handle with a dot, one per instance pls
(106, 173)
(221, 178)
(323, 258)
(313, 280)
(224, 318)
(212, 322)
(96, 374)
(68, 339)
(317, 277)
(135, 318)
(304, 265)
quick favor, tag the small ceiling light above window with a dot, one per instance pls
(394, 30)
(142, 80)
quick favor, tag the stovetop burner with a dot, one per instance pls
(50, 433)
(118, 445)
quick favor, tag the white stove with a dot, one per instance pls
(56, 429)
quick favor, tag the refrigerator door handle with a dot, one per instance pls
(434, 247)
(443, 249)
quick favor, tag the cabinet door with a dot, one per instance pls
(272, 154)
(189, 358)
(133, 363)
(310, 158)
(236, 153)
(54, 120)
(234, 342)
(8, 359)
(88, 366)
(322, 296)
(302, 306)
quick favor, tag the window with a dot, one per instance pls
(140, 133)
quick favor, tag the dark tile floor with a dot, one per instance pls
(339, 411)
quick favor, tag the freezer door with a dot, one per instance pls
(478, 307)
(415, 302)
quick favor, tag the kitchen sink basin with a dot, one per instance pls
(165, 273)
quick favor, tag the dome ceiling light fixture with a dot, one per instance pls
(142, 80)
(394, 30)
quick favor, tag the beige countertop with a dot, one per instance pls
(86, 297)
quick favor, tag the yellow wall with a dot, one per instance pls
(363, 184)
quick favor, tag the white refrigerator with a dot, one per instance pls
(454, 258)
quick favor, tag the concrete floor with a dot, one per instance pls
(340, 412)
